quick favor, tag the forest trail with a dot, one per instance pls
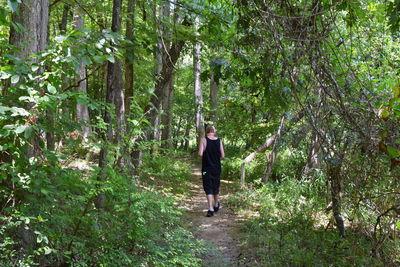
(220, 231)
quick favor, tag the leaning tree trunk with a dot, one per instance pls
(82, 110)
(198, 93)
(164, 79)
(114, 95)
(274, 152)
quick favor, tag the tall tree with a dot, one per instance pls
(114, 95)
(33, 16)
(198, 92)
(82, 110)
(129, 71)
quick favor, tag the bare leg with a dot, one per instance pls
(216, 199)
(210, 201)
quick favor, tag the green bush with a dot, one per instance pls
(136, 227)
(286, 227)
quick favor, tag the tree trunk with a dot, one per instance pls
(130, 23)
(64, 20)
(163, 80)
(187, 134)
(336, 182)
(33, 15)
(214, 97)
(198, 92)
(313, 159)
(114, 95)
(274, 151)
(167, 115)
(82, 111)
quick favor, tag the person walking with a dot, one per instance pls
(211, 150)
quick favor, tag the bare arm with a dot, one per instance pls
(222, 150)
(202, 147)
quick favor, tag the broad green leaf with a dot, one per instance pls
(35, 67)
(3, 109)
(4, 75)
(111, 58)
(20, 129)
(51, 89)
(16, 111)
(14, 79)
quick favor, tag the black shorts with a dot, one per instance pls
(211, 183)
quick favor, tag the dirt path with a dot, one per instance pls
(220, 231)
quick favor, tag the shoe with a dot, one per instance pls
(210, 213)
(216, 207)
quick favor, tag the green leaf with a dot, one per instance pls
(14, 79)
(40, 218)
(111, 58)
(3, 109)
(16, 111)
(51, 89)
(35, 67)
(20, 129)
(393, 152)
(60, 38)
(47, 250)
(13, 5)
(4, 75)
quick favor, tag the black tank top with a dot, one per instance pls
(212, 156)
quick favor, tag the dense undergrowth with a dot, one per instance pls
(140, 225)
(289, 222)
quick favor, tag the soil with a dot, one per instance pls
(220, 232)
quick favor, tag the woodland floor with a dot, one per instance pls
(220, 232)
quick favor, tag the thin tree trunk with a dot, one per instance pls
(129, 71)
(336, 182)
(167, 115)
(214, 97)
(64, 20)
(198, 92)
(82, 110)
(186, 135)
(114, 95)
(274, 151)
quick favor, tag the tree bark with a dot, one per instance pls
(274, 151)
(167, 115)
(163, 80)
(33, 15)
(129, 71)
(336, 182)
(82, 110)
(214, 97)
(114, 95)
(198, 92)
(64, 20)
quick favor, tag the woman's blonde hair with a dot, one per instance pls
(210, 129)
